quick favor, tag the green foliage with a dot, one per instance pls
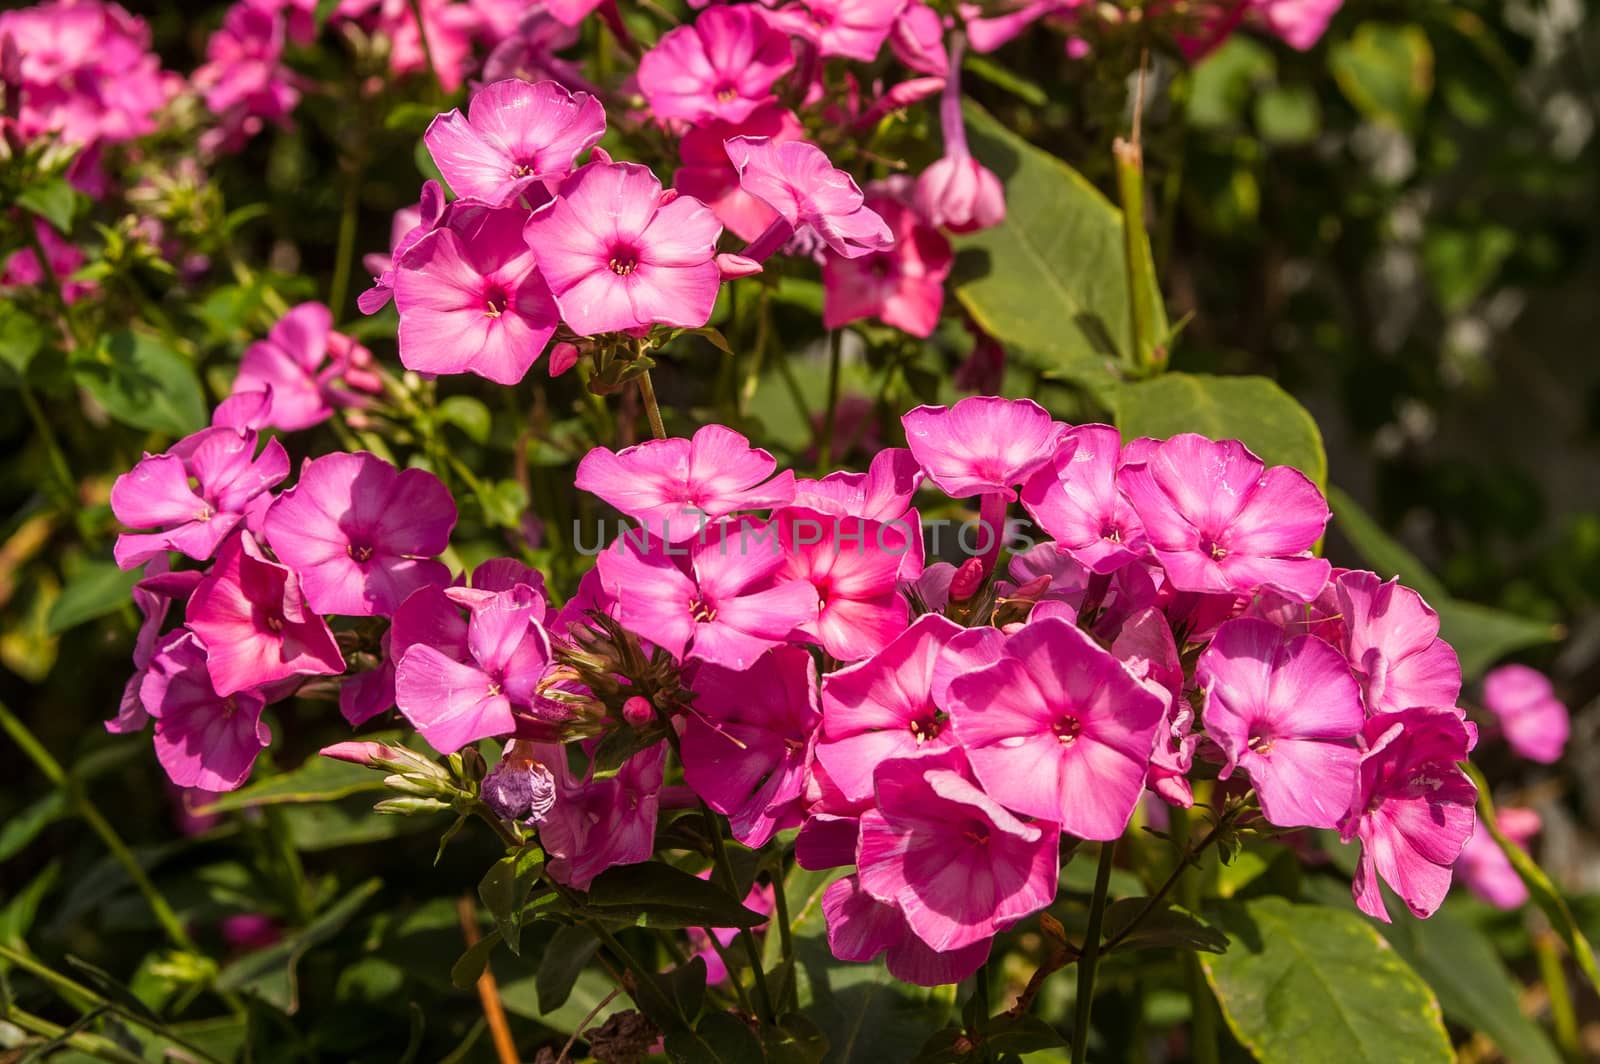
(143, 383)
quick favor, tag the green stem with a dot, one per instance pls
(725, 868)
(427, 48)
(758, 356)
(1563, 1018)
(1203, 1034)
(1135, 253)
(1089, 961)
(652, 409)
(293, 872)
(780, 904)
(92, 1045)
(831, 414)
(344, 255)
(58, 459)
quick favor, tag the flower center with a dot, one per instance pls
(205, 513)
(1261, 744)
(495, 301)
(1215, 549)
(926, 729)
(522, 170)
(360, 552)
(1067, 729)
(274, 623)
(230, 706)
(624, 260)
(726, 93)
(977, 834)
(821, 19)
(702, 612)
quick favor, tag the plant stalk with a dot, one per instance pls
(1090, 959)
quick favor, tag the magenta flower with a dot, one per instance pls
(812, 198)
(902, 286)
(714, 600)
(1298, 23)
(983, 445)
(619, 253)
(287, 367)
(956, 191)
(672, 487)
(251, 616)
(1220, 521)
(514, 136)
(410, 225)
(154, 596)
(596, 824)
(1535, 722)
(710, 176)
(470, 300)
(883, 493)
(854, 29)
(860, 927)
(1391, 638)
(745, 742)
(156, 493)
(1287, 711)
(453, 702)
(362, 534)
(854, 566)
(917, 39)
(1076, 499)
(721, 67)
(1058, 729)
(1484, 867)
(957, 865)
(244, 81)
(202, 739)
(884, 707)
(1413, 808)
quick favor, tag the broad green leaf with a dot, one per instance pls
(1540, 888)
(1482, 636)
(1288, 115)
(325, 825)
(96, 589)
(1386, 71)
(1387, 557)
(505, 889)
(1167, 927)
(864, 1012)
(143, 383)
(21, 337)
(673, 1000)
(1303, 984)
(795, 1040)
(23, 827)
(659, 895)
(271, 973)
(1253, 409)
(1048, 280)
(1222, 84)
(318, 779)
(54, 201)
(563, 960)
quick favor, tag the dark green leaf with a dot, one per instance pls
(795, 1040)
(1167, 927)
(470, 965)
(719, 1039)
(467, 414)
(52, 200)
(143, 383)
(505, 889)
(24, 826)
(662, 896)
(96, 589)
(672, 1000)
(21, 337)
(16, 919)
(271, 972)
(1253, 409)
(1303, 984)
(564, 959)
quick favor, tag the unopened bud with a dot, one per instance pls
(967, 581)
(411, 806)
(406, 783)
(638, 712)
(1032, 590)
(472, 764)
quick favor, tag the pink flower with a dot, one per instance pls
(1392, 640)
(513, 137)
(1077, 500)
(710, 176)
(860, 927)
(1484, 867)
(957, 865)
(958, 192)
(1534, 721)
(713, 600)
(882, 494)
(450, 28)
(619, 253)
(983, 445)
(1287, 711)
(1220, 521)
(451, 702)
(252, 618)
(288, 368)
(811, 197)
(203, 739)
(722, 67)
(154, 596)
(244, 81)
(193, 520)
(672, 487)
(470, 300)
(596, 824)
(410, 225)
(902, 286)
(1147, 649)
(854, 29)
(362, 534)
(917, 38)
(1413, 808)
(22, 267)
(1298, 23)
(745, 742)
(853, 565)
(1058, 729)
(528, 50)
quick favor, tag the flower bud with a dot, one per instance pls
(638, 712)
(960, 194)
(968, 580)
(411, 806)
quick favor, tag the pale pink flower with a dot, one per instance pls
(1076, 499)
(917, 39)
(1535, 722)
(514, 136)
(1298, 23)
(983, 445)
(202, 739)
(814, 199)
(956, 191)
(721, 67)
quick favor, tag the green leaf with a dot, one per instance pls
(1385, 71)
(143, 383)
(1043, 280)
(662, 896)
(23, 827)
(1168, 927)
(318, 779)
(1462, 260)
(1223, 83)
(564, 959)
(324, 11)
(98, 588)
(1288, 115)
(470, 965)
(718, 1039)
(1253, 409)
(21, 337)
(53, 200)
(1003, 78)
(1387, 557)
(467, 414)
(505, 889)
(1303, 984)
(1482, 636)
(16, 919)
(795, 1040)
(1540, 888)
(864, 1012)
(673, 999)
(271, 973)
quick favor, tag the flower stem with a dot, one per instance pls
(1203, 1047)
(652, 409)
(831, 413)
(1090, 959)
(58, 459)
(427, 48)
(344, 254)
(1563, 1018)
(725, 868)
(780, 904)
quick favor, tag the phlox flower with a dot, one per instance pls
(1484, 867)
(983, 445)
(156, 493)
(1220, 521)
(853, 566)
(917, 39)
(710, 176)
(410, 225)
(956, 191)
(154, 596)
(853, 29)
(244, 81)
(514, 136)
(619, 253)
(202, 739)
(902, 286)
(882, 494)
(811, 196)
(721, 67)
(745, 743)
(1534, 721)
(1413, 808)
(1298, 23)
(1057, 728)
(521, 787)
(529, 48)
(250, 614)
(860, 927)
(1285, 709)
(596, 824)
(672, 487)
(957, 865)
(21, 268)
(714, 600)
(1076, 499)
(1392, 640)
(451, 702)
(288, 369)
(1145, 645)
(470, 299)
(450, 28)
